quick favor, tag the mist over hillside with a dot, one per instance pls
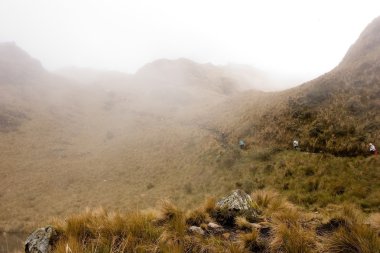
(95, 137)
(335, 113)
(81, 138)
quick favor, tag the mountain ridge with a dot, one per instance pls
(17, 66)
(120, 146)
(335, 113)
(367, 47)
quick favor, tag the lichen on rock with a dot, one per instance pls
(41, 240)
(237, 200)
(238, 203)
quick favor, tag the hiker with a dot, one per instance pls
(372, 149)
(295, 144)
(241, 144)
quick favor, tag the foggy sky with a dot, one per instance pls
(300, 38)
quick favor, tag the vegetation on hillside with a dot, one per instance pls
(283, 227)
(336, 113)
(311, 180)
(75, 146)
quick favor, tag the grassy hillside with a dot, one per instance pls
(114, 142)
(171, 131)
(336, 113)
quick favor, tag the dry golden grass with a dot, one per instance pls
(287, 229)
(131, 156)
(209, 204)
(114, 232)
(264, 198)
(374, 221)
(353, 234)
(356, 238)
(197, 217)
(64, 150)
(251, 242)
(85, 146)
(243, 224)
(292, 238)
(288, 234)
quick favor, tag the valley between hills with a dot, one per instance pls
(80, 138)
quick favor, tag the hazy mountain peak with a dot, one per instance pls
(166, 65)
(366, 48)
(17, 66)
(183, 72)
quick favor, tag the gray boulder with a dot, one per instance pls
(237, 200)
(238, 203)
(41, 240)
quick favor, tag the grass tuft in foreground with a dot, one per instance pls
(282, 227)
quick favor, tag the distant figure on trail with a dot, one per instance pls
(295, 144)
(372, 149)
(241, 144)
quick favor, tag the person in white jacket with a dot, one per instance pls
(295, 144)
(372, 149)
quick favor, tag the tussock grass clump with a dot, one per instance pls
(289, 232)
(101, 231)
(351, 236)
(209, 204)
(264, 198)
(70, 244)
(354, 239)
(290, 216)
(172, 218)
(201, 215)
(270, 202)
(374, 221)
(197, 217)
(283, 227)
(291, 238)
(253, 243)
(243, 224)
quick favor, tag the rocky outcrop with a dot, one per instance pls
(41, 240)
(237, 200)
(238, 203)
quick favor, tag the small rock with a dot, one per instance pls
(41, 240)
(213, 225)
(196, 230)
(214, 228)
